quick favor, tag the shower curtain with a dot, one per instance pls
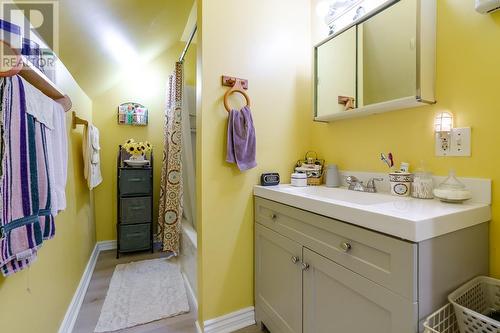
(171, 186)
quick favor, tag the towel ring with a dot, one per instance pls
(237, 87)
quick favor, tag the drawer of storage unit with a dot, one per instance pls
(135, 182)
(135, 237)
(135, 210)
(383, 259)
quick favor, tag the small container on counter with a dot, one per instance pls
(423, 185)
(405, 167)
(332, 178)
(452, 190)
(299, 179)
(400, 183)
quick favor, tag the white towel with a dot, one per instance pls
(52, 115)
(58, 159)
(38, 105)
(91, 156)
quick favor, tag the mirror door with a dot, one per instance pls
(335, 72)
(387, 55)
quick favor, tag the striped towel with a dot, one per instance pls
(26, 219)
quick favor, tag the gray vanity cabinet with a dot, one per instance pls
(279, 280)
(339, 300)
(315, 274)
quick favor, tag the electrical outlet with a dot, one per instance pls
(443, 144)
(460, 142)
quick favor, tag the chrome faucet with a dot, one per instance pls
(356, 185)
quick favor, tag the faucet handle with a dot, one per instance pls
(371, 182)
(351, 180)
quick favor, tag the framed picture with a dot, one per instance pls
(132, 114)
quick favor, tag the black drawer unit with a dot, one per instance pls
(135, 206)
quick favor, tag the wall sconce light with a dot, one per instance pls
(443, 123)
(451, 141)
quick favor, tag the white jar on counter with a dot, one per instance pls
(332, 176)
(299, 179)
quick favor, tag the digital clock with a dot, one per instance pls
(269, 179)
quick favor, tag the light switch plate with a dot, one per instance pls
(460, 142)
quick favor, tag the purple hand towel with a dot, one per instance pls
(241, 139)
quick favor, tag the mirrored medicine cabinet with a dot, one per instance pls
(384, 61)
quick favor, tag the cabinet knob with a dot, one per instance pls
(274, 217)
(346, 246)
(295, 259)
(304, 266)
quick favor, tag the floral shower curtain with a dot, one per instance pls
(171, 187)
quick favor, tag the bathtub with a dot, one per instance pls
(188, 254)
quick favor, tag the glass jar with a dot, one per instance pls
(423, 185)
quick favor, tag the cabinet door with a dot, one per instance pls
(278, 281)
(339, 300)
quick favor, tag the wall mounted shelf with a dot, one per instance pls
(399, 104)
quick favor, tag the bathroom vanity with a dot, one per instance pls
(332, 260)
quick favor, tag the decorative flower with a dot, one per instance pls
(149, 147)
(136, 148)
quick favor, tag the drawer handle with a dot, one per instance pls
(135, 180)
(137, 208)
(346, 246)
(295, 259)
(136, 234)
(274, 217)
(304, 266)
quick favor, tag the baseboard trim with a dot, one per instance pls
(231, 322)
(190, 290)
(107, 245)
(198, 328)
(76, 302)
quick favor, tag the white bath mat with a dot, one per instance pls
(142, 292)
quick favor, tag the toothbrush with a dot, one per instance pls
(385, 160)
(391, 159)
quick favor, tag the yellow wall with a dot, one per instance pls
(147, 87)
(468, 81)
(268, 45)
(53, 278)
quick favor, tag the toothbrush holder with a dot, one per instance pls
(400, 183)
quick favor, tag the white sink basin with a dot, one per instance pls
(343, 194)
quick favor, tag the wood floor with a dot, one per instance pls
(96, 293)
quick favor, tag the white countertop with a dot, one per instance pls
(407, 218)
